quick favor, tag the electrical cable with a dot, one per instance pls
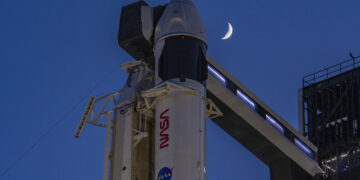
(53, 126)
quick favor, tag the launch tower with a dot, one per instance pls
(329, 117)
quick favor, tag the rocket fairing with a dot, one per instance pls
(179, 50)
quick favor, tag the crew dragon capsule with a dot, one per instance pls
(172, 40)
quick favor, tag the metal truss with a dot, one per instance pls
(152, 97)
(95, 118)
(212, 111)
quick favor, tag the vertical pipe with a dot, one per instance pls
(107, 146)
(301, 112)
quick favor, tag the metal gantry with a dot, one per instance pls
(331, 113)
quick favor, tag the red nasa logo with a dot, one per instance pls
(164, 126)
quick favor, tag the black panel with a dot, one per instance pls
(183, 57)
(231, 86)
(130, 36)
(261, 111)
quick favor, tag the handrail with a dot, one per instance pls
(331, 71)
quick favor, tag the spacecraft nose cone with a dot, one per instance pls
(180, 18)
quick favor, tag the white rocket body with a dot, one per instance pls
(180, 115)
(180, 135)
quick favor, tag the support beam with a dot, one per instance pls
(107, 147)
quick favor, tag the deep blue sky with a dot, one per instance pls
(53, 52)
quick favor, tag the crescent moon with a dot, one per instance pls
(228, 33)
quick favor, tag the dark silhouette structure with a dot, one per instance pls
(330, 118)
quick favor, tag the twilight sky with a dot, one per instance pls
(53, 52)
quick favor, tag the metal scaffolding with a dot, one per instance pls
(330, 118)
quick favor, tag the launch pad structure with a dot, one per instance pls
(156, 123)
(329, 116)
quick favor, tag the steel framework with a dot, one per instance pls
(331, 112)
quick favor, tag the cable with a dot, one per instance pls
(52, 127)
